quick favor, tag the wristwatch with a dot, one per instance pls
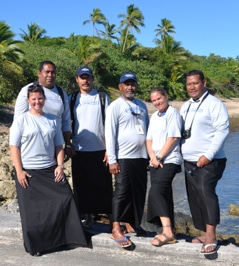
(61, 165)
(159, 159)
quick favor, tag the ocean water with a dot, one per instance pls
(227, 188)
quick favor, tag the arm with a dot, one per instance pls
(220, 125)
(21, 105)
(69, 149)
(111, 125)
(16, 159)
(167, 147)
(59, 174)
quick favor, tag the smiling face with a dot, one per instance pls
(85, 83)
(195, 86)
(128, 89)
(36, 100)
(47, 76)
(159, 101)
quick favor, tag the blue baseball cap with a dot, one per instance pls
(85, 70)
(126, 76)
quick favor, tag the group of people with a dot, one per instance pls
(111, 146)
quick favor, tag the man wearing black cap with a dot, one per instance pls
(125, 132)
(92, 182)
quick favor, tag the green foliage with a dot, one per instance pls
(165, 65)
(11, 57)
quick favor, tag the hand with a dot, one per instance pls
(155, 163)
(105, 160)
(114, 168)
(59, 174)
(22, 178)
(202, 161)
(69, 152)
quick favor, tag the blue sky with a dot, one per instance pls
(202, 27)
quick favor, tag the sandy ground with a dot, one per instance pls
(6, 112)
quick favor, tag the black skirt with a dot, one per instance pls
(92, 182)
(48, 213)
(160, 198)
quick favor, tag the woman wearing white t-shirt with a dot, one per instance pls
(163, 145)
(48, 211)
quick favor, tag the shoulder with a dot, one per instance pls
(141, 104)
(61, 91)
(22, 117)
(173, 110)
(115, 105)
(212, 101)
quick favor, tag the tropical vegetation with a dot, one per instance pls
(111, 51)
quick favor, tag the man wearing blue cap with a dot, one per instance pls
(92, 182)
(125, 132)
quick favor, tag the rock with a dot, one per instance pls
(233, 209)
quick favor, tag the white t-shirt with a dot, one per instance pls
(163, 127)
(125, 133)
(53, 105)
(209, 131)
(37, 137)
(88, 133)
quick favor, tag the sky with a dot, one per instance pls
(202, 27)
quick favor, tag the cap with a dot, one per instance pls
(85, 70)
(126, 76)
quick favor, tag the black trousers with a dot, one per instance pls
(201, 192)
(130, 191)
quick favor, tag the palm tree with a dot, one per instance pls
(34, 33)
(165, 28)
(11, 57)
(131, 21)
(97, 17)
(10, 53)
(109, 32)
(130, 43)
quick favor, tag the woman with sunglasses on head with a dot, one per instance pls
(48, 212)
(163, 145)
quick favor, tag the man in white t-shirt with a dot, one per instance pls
(205, 129)
(56, 100)
(92, 182)
(125, 132)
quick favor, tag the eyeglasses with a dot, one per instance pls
(191, 172)
(134, 113)
(34, 86)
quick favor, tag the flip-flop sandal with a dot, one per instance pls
(120, 242)
(167, 240)
(205, 246)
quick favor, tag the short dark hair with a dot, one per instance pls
(46, 62)
(196, 72)
(35, 87)
(159, 89)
